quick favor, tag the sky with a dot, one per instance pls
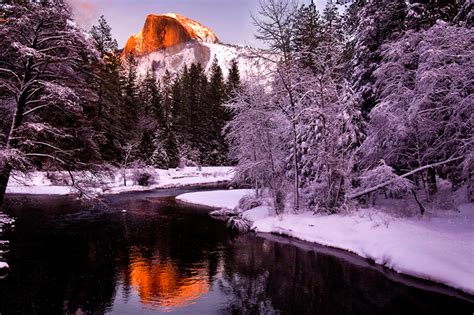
(229, 19)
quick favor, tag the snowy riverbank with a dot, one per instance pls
(437, 247)
(42, 183)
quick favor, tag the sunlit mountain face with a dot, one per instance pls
(169, 42)
(167, 30)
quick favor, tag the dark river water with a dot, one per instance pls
(161, 257)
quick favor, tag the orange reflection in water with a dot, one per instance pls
(162, 285)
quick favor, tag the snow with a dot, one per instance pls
(228, 200)
(40, 190)
(258, 213)
(433, 247)
(37, 183)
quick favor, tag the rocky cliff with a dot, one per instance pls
(168, 30)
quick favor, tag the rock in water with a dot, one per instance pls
(4, 269)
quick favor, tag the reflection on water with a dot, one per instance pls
(161, 284)
(161, 257)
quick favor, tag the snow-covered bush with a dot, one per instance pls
(145, 177)
(249, 202)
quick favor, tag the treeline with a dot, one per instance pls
(379, 99)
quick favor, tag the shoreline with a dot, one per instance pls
(218, 184)
(40, 183)
(373, 251)
(353, 258)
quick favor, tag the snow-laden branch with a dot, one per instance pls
(12, 73)
(382, 185)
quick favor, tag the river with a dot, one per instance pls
(162, 257)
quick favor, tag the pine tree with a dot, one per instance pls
(371, 23)
(332, 27)
(110, 102)
(130, 94)
(151, 120)
(151, 98)
(233, 83)
(196, 126)
(308, 32)
(218, 117)
(170, 145)
(180, 113)
(167, 97)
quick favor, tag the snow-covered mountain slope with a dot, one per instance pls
(176, 57)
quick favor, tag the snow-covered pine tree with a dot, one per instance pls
(150, 119)
(370, 24)
(168, 134)
(328, 121)
(167, 97)
(307, 33)
(179, 112)
(130, 91)
(110, 104)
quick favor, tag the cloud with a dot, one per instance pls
(85, 12)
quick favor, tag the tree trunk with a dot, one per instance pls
(431, 180)
(422, 208)
(4, 177)
(297, 180)
(470, 187)
(12, 143)
(336, 194)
